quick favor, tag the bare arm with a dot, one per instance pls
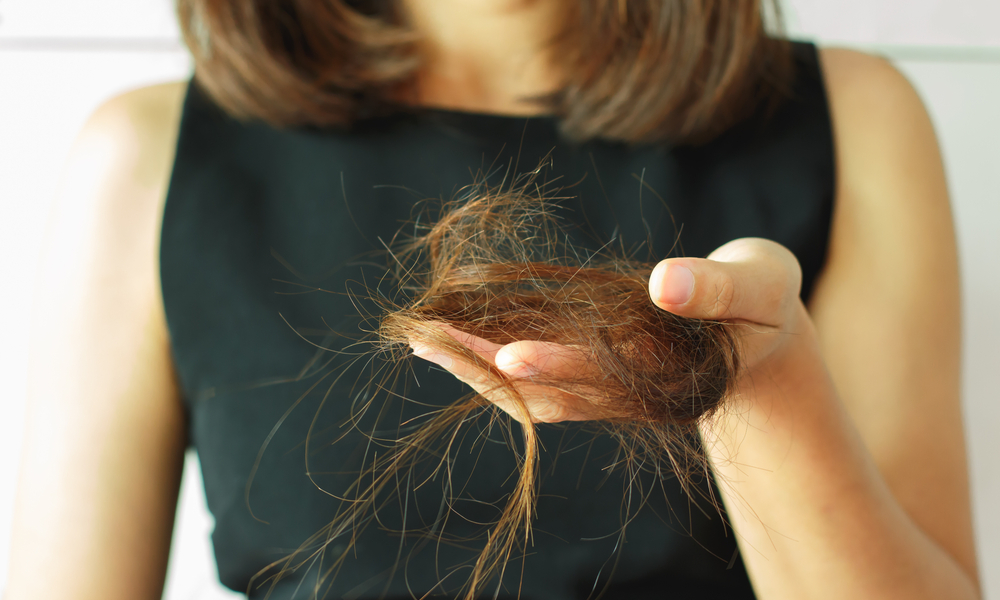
(842, 458)
(893, 238)
(104, 441)
(844, 470)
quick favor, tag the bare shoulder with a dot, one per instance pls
(880, 123)
(149, 107)
(139, 129)
(844, 64)
(115, 181)
(112, 189)
(891, 193)
(853, 76)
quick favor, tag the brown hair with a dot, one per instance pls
(496, 266)
(635, 70)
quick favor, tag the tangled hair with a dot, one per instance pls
(496, 265)
(493, 271)
(632, 70)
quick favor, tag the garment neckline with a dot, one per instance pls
(467, 114)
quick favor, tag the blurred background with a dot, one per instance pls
(60, 59)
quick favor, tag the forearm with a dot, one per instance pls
(813, 515)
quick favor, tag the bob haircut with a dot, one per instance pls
(636, 71)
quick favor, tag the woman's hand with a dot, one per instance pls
(751, 282)
(841, 459)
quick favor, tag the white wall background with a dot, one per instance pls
(60, 58)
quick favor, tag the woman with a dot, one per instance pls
(842, 463)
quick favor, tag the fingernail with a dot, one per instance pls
(427, 353)
(674, 284)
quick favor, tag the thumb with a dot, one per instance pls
(748, 279)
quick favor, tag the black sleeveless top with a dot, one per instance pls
(270, 238)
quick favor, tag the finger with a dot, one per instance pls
(552, 362)
(540, 403)
(749, 279)
(483, 347)
(462, 369)
(524, 359)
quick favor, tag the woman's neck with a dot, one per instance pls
(484, 55)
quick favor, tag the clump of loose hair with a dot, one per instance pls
(497, 265)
